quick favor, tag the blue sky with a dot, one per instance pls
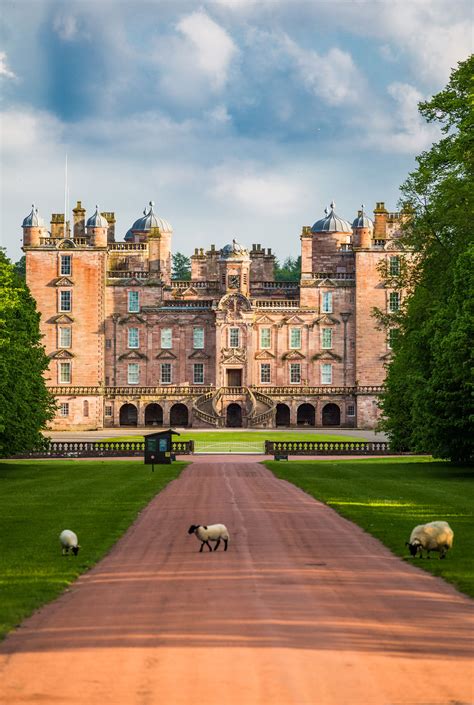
(239, 118)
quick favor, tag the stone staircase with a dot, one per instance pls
(258, 408)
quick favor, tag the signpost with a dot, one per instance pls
(159, 449)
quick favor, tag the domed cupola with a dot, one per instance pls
(362, 220)
(148, 221)
(33, 219)
(332, 223)
(234, 251)
(97, 220)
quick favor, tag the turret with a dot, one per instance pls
(97, 227)
(33, 228)
(363, 228)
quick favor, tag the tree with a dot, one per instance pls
(20, 267)
(289, 271)
(181, 268)
(25, 403)
(429, 385)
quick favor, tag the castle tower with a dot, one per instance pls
(97, 227)
(234, 267)
(157, 232)
(363, 228)
(33, 228)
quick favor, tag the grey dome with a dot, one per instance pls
(234, 250)
(97, 220)
(33, 219)
(148, 221)
(332, 223)
(362, 220)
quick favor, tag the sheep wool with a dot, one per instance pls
(433, 536)
(69, 542)
(212, 532)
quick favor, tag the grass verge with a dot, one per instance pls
(221, 436)
(38, 499)
(388, 497)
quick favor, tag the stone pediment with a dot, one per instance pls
(132, 318)
(233, 355)
(133, 355)
(393, 246)
(62, 319)
(327, 356)
(327, 320)
(62, 355)
(264, 320)
(293, 355)
(189, 293)
(326, 283)
(234, 303)
(165, 355)
(63, 281)
(199, 355)
(66, 244)
(264, 355)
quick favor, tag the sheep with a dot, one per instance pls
(214, 532)
(434, 536)
(68, 540)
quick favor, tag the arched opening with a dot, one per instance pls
(282, 415)
(153, 415)
(234, 416)
(306, 415)
(331, 415)
(86, 408)
(179, 415)
(128, 415)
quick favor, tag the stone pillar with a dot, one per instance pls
(79, 220)
(306, 238)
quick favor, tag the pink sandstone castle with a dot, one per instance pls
(129, 346)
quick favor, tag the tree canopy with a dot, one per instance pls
(25, 404)
(181, 267)
(289, 271)
(427, 405)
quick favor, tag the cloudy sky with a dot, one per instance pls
(239, 118)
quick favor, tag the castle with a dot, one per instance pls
(232, 347)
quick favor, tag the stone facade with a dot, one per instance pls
(231, 347)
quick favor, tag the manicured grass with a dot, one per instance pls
(388, 497)
(38, 499)
(206, 436)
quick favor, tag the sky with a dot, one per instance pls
(238, 118)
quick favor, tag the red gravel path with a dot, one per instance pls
(303, 609)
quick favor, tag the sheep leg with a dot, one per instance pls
(225, 544)
(217, 544)
(202, 546)
(209, 545)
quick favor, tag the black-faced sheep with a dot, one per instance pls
(69, 542)
(434, 536)
(214, 532)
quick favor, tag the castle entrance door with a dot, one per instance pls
(234, 378)
(234, 416)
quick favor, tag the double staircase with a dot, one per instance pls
(258, 409)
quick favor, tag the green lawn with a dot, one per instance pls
(388, 497)
(38, 499)
(222, 436)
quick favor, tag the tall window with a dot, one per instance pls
(133, 373)
(65, 300)
(394, 266)
(326, 338)
(392, 337)
(234, 337)
(326, 373)
(295, 338)
(64, 409)
(394, 301)
(65, 264)
(167, 338)
(64, 373)
(198, 338)
(65, 336)
(86, 408)
(265, 377)
(198, 373)
(351, 410)
(165, 373)
(265, 338)
(295, 373)
(133, 338)
(133, 302)
(327, 302)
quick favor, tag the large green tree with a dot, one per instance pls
(289, 271)
(25, 404)
(427, 405)
(181, 267)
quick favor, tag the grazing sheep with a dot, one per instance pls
(214, 532)
(434, 536)
(69, 542)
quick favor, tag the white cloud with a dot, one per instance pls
(4, 68)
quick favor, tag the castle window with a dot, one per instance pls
(394, 301)
(86, 408)
(108, 343)
(265, 338)
(327, 302)
(198, 373)
(64, 409)
(326, 338)
(295, 338)
(167, 338)
(108, 411)
(234, 337)
(265, 377)
(64, 373)
(133, 301)
(351, 410)
(326, 373)
(165, 373)
(65, 300)
(65, 264)
(198, 338)
(392, 337)
(133, 338)
(65, 336)
(133, 373)
(394, 266)
(295, 373)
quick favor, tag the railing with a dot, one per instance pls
(185, 391)
(212, 420)
(55, 241)
(184, 284)
(67, 390)
(350, 276)
(296, 390)
(196, 303)
(379, 243)
(345, 247)
(114, 246)
(285, 448)
(275, 303)
(96, 449)
(232, 391)
(118, 274)
(170, 391)
(270, 286)
(263, 416)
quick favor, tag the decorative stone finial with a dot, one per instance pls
(326, 210)
(333, 204)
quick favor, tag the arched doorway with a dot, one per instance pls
(153, 415)
(128, 415)
(282, 415)
(234, 416)
(306, 415)
(179, 415)
(331, 415)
